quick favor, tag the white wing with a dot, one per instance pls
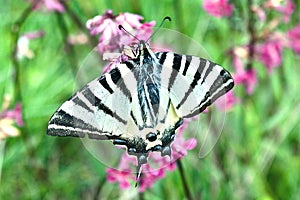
(101, 108)
(193, 83)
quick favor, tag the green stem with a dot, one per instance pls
(141, 196)
(15, 29)
(251, 31)
(99, 187)
(184, 182)
(92, 40)
(68, 47)
(2, 148)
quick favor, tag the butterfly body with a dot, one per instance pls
(140, 103)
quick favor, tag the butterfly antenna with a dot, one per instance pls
(162, 22)
(122, 28)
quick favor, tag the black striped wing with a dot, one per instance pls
(100, 109)
(193, 83)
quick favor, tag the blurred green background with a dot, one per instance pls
(256, 157)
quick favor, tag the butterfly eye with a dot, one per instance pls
(151, 137)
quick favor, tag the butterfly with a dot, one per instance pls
(141, 102)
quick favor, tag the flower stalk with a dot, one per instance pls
(2, 148)
(69, 48)
(183, 179)
(251, 31)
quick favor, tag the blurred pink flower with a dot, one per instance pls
(180, 146)
(247, 78)
(8, 119)
(218, 8)
(122, 177)
(127, 162)
(113, 63)
(230, 100)
(15, 114)
(150, 177)
(49, 5)
(23, 50)
(269, 53)
(293, 36)
(286, 7)
(112, 38)
(145, 30)
(260, 12)
(78, 38)
(150, 174)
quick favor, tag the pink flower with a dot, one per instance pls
(122, 177)
(286, 7)
(228, 103)
(8, 119)
(145, 30)
(293, 36)
(150, 177)
(260, 12)
(49, 5)
(112, 38)
(218, 8)
(15, 114)
(247, 78)
(78, 38)
(269, 53)
(180, 146)
(115, 62)
(23, 50)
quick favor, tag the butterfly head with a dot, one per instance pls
(140, 52)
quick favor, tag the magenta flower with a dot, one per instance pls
(247, 78)
(260, 12)
(269, 53)
(15, 114)
(8, 119)
(113, 63)
(230, 101)
(217, 8)
(122, 177)
(180, 146)
(293, 36)
(150, 177)
(286, 7)
(48, 5)
(111, 38)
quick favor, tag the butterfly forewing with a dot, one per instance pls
(194, 83)
(93, 111)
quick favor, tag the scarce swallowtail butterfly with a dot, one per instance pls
(141, 102)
